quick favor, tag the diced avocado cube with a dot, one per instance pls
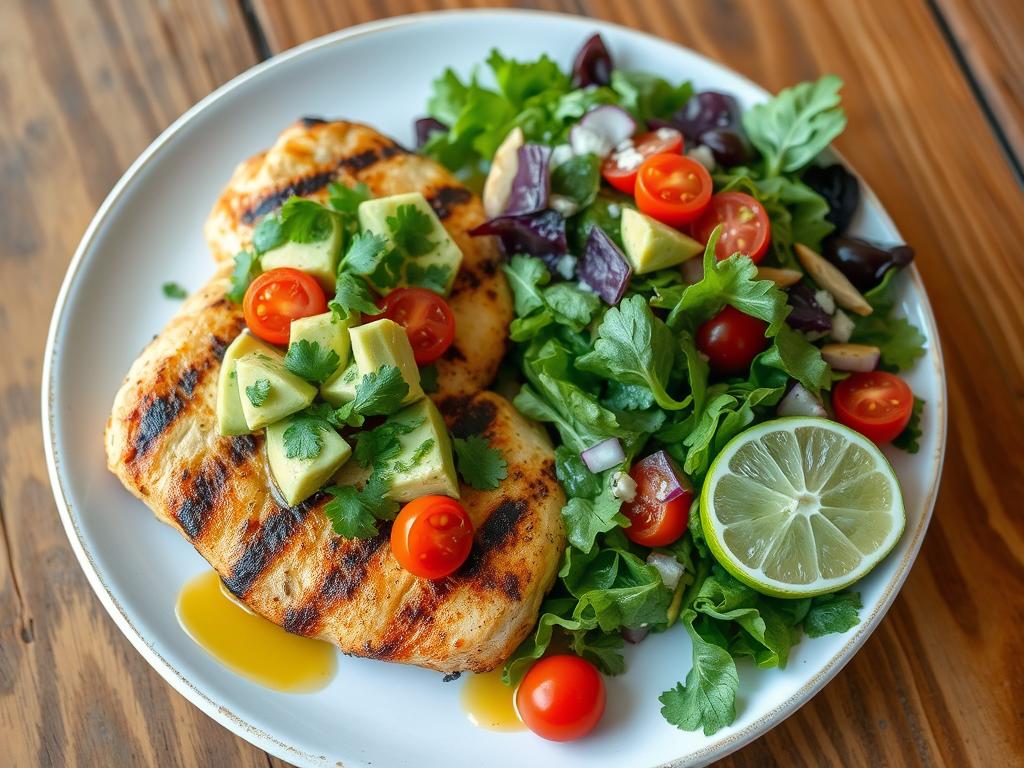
(341, 387)
(230, 418)
(319, 258)
(283, 393)
(384, 342)
(328, 331)
(444, 256)
(651, 245)
(298, 479)
(425, 464)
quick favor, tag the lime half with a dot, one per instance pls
(798, 507)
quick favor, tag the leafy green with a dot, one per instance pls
(586, 518)
(837, 612)
(900, 342)
(352, 295)
(305, 221)
(909, 439)
(605, 212)
(303, 439)
(578, 178)
(258, 392)
(574, 475)
(649, 96)
(268, 234)
(571, 306)
(428, 378)
(480, 465)
(526, 275)
(538, 304)
(793, 128)
(433, 277)
(378, 393)
(354, 513)
(308, 360)
(411, 229)
(364, 253)
(345, 199)
(247, 267)
(174, 291)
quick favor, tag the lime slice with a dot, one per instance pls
(798, 507)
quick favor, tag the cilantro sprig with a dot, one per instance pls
(482, 466)
(354, 513)
(258, 392)
(308, 360)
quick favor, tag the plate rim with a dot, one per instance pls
(717, 747)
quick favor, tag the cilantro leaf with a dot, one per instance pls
(352, 295)
(380, 445)
(909, 439)
(258, 392)
(365, 253)
(305, 221)
(708, 697)
(247, 266)
(389, 270)
(269, 234)
(174, 291)
(480, 465)
(634, 347)
(380, 392)
(345, 199)
(795, 126)
(795, 355)
(310, 361)
(571, 306)
(303, 439)
(411, 229)
(354, 513)
(832, 613)
(433, 277)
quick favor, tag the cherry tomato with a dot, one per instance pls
(876, 404)
(620, 167)
(745, 229)
(432, 536)
(561, 698)
(654, 522)
(426, 317)
(731, 340)
(673, 189)
(279, 296)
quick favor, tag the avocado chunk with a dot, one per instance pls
(651, 245)
(435, 268)
(425, 464)
(384, 342)
(341, 387)
(326, 330)
(298, 479)
(283, 393)
(319, 257)
(230, 419)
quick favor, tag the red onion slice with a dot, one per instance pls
(673, 482)
(532, 183)
(800, 402)
(612, 123)
(604, 455)
(671, 570)
(603, 267)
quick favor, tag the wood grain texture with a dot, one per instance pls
(937, 684)
(989, 34)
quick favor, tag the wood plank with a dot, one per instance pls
(989, 34)
(84, 87)
(936, 683)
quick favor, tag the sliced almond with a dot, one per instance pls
(498, 185)
(825, 274)
(851, 357)
(781, 277)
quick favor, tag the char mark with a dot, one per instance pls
(156, 413)
(308, 121)
(242, 447)
(510, 586)
(470, 417)
(443, 200)
(202, 498)
(349, 569)
(490, 536)
(301, 621)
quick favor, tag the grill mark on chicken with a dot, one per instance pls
(307, 185)
(510, 586)
(242, 447)
(445, 199)
(349, 571)
(470, 417)
(308, 121)
(201, 499)
(301, 621)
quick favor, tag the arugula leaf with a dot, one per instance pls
(305, 221)
(795, 355)
(480, 465)
(578, 178)
(707, 699)
(649, 96)
(571, 306)
(411, 229)
(247, 267)
(364, 254)
(900, 342)
(526, 275)
(174, 291)
(627, 397)
(519, 81)
(303, 439)
(634, 347)
(586, 518)
(354, 513)
(832, 613)
(352, 295)
(796, 125)
(268, 234)
(310, 361)
(574, 475)
(258, 392)
(345, 199)
(433, 277)
(909, 439)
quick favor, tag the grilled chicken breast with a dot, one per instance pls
(287, 563)
(311, 154)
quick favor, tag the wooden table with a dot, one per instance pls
(935, 95)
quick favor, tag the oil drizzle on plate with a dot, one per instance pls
(489, 703)
(249, 644)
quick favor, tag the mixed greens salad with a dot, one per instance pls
(681, 272)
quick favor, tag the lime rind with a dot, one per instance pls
(801, 506)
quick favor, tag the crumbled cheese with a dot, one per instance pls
(703, 155)
(623, 145)
(564, 205)
(560, 154)
(566, 266)
(585, 141)
(614, 210)
(825, 301)
(666, 133)
(623, 486)
(628, 159)
(842, 326)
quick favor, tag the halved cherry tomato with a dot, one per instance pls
(426, 317)
(654, 522)
(432, 536)
(876, 404)
(561, 698)
(673, 189)
(745, 229)
(279, 296)
(620, 167)
(731, 340)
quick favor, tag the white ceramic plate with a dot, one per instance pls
(149, 231)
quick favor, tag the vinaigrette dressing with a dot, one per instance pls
(489, 703)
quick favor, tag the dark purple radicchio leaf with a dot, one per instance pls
(603, 267)
(864, 263)
(807, 314)
(532, 184)
(707, 111)
(540, 234)
(593, 65)
(426, 127)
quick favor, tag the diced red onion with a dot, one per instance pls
(532, 184)
(593, 64)
(537, 234)
(603, 267)
(800, 402)
(854, 358)
(673, 483)
(604, 455)
(634, 636)
(671, 570)
(610, 122)
(425, 127)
